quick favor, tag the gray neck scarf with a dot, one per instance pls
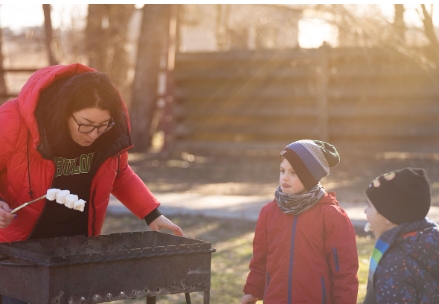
(298, 203)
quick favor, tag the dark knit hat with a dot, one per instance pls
(311, 160)
(401, 196)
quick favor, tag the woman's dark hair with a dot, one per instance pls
(66, 96)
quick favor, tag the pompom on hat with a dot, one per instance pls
(401, 196)
(311, 160)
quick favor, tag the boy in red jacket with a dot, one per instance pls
(304, 247)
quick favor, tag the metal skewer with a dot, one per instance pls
(28, 203)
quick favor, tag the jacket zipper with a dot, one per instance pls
(323, 290)
(267, 277)
(94, 190)
(335, 254)
(94, 212)
(290, 272)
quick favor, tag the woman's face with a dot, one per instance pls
(90, 116)
(288, 180)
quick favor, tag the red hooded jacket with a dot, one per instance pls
(309, 258)
(22, 167)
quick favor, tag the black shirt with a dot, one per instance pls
(72, 172)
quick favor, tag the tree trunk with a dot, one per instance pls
(49, 34)
(153, 37)
(430, 32)
(167, 121)
(106, 39)
(95, 36)
(429, 27)
(3, 90)
(117, 60)
(399, 24)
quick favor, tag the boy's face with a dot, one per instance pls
(378, 223)
(288, 180)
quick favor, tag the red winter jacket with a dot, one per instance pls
(309, 258)
(22, 167)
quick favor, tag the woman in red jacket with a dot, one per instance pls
(304, 248)
(68, 129)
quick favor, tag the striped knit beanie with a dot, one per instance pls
(311, 160)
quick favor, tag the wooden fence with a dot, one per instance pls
(271, 98)
(8, 73)
(266, 99)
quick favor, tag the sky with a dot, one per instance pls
(22, 14)
(16, 15)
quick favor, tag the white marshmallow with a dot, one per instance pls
(79, 205)
(61, 196)
(70, 200)
(51, 193)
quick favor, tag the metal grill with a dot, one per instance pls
(104, 268)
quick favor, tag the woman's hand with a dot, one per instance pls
(163, 222)
(249, 299)
(5, 215)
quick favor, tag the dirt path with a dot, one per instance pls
(258, 174)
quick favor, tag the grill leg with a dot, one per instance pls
(150, 300)
(187, 296)
(206, 298)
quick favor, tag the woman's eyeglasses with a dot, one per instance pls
(85, 129)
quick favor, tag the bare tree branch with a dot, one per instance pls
(427, 20)
(398, 22)
(49, 34)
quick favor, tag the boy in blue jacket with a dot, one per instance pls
(404, 266)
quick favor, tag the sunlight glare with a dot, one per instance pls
(17, 16)
(313, 32)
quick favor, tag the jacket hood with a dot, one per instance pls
(30, 93)
(421, 245)
(30, 97)
(328, 198)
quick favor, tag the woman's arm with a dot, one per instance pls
(9, 129)
(10, 126)
(133, 193)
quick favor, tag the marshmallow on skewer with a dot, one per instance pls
(64, 197)
(79, 205)
(61, 196)
(70, 200)
(51, 193)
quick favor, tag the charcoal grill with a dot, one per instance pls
(105, 268)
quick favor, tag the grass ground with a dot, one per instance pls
(232, 240)
(254, 174)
